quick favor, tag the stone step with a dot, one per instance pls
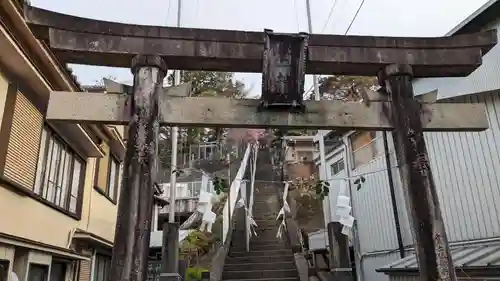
(254, 247)
(260, 253)
(266, 207)
(259, 274)
(263, 242)
(261, 228)
(230, 259)
(259, 266)
(267, 223)
(265, 216)
(261, 235)
(239, 240)
(267, 279)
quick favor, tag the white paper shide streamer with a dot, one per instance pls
(283, 211)
(205, 207)
(250, 221)
(344, 209)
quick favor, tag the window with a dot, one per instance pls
(113, 172)
(4, 270)
(304, 155)
(107, 174)
(57, 271)
(337, 167)
(59, 173)
(363, 147)
(102, 267)
(194, 189)
(37, 272)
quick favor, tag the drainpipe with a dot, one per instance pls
(356, 244)
(393, 196)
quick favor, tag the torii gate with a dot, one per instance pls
(283, 59)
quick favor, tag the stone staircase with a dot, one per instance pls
(269, 257)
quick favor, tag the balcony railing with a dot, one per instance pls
(202, 151)
(182, 206)
(187, 194)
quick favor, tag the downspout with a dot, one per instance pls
(393, 196)
(356, 244)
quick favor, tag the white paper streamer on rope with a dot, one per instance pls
(283, 211)
(251, 222)
(344, 209)
(205, 207)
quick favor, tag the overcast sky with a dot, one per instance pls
(376, 17)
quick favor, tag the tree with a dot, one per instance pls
(211, 83)
(342, 87)
(204, 84)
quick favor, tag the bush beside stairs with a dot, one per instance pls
(269, 258)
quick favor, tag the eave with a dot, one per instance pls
(30, 61)
(92, 239)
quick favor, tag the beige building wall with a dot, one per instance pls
(32, 230)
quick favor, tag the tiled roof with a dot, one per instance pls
(479, 256)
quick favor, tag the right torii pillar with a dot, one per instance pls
(431, 246)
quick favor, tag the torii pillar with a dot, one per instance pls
(130, 254)
(422, 201)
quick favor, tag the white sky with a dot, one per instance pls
(377, 17)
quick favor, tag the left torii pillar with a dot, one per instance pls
(133, 225)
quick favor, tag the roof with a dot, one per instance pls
(480, 18)
(479, 256)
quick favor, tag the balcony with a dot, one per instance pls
(183, 206)
(201, 151)
(187, 194)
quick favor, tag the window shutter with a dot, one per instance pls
(84, 274)
(102, 173)
(22, 151)
(85, 266)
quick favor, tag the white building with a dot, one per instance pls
(466, 169)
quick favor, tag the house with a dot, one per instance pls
(299, 157)
(465, 168)
(58, 181)
(187, 192)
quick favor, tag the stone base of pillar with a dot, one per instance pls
(340, 263)
(170, 277)
(170, 248)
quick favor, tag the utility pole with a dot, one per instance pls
(170, 241)
(323, 172)
(338, 243)
(309, 24)
(175, 136)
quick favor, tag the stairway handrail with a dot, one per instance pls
(234, 192)
(253, 169)
(294, 236)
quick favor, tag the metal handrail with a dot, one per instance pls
(234, 192)
(253, 169)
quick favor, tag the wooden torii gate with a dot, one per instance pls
(283, 59)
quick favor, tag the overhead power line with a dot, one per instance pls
(296, 15)
(330, 15)
(345, 33)
(355, 16)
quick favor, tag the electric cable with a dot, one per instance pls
(345, 33)
(329, 15)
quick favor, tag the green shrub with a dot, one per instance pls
(194, 273)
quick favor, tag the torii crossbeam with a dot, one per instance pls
(283, 59)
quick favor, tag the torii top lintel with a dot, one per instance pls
(87, 41)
